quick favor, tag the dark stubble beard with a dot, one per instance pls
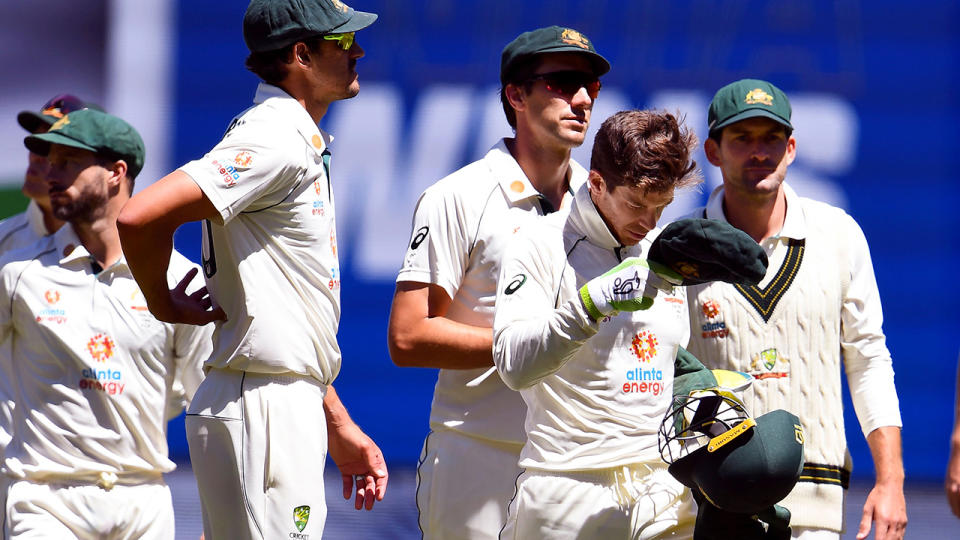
(87, 208)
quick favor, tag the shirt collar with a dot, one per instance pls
(71, 250)
(794, 224)
(35, 219)
(585, 217)
(514, 182)
(277, 98)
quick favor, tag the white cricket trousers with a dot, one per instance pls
(464, 485)
(638, 502)
(88, 512)
(258, 444)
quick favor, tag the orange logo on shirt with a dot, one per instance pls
(710, 309)
(101, 347)
(52, 296)
(243, 159)
(517, 186)
(333, 242)
(644, 345)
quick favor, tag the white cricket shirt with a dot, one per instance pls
(94, 369)
(16, 232)
(22, 229)
(461, 226)
(270, 257)
(595, 392)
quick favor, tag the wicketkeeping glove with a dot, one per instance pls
(629, 286)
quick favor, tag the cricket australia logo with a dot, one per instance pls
(301, 515)
(644, 345)
(757, 95)
(572, 37)
(101, 347)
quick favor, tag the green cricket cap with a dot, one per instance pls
(54, 109)
(748, 98)
(753, 471)
(703, 250)
(101, 133)
(551, 39)
(273, 24)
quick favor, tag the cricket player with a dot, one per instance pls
(38, 220)
(818, 302)
(265, 417)
(442, 311)
(588, 334)
(93, 369)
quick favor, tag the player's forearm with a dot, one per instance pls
(147, 249)
(335, 411)
(885, 447)
(438, 342)
(526, 351)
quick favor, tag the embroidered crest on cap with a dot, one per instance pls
(60, 123)
(572, 37)
(339, 5)
(757, 95)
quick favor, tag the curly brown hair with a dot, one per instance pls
(651, 149)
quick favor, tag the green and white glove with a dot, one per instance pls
(623, 288)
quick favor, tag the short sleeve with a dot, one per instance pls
(439, 248)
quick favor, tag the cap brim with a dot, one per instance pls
(359, 21)
(752, 113)
(40, 144)
(31, 121)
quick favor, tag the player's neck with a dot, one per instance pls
(546, 168)
(100, 236)
(760, 217)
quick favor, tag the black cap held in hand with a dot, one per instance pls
(703, 250)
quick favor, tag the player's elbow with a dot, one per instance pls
(402, 344)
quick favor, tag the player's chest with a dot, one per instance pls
(93, 317)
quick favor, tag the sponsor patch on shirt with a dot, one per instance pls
(228, 173)
(769, 364)
(712, 329)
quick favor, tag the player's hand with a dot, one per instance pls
(629, 286)
(952, 483)
(886, 508)
(360, 462)
(179, 307)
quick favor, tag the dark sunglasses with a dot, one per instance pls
(62, 105)
(568, 83)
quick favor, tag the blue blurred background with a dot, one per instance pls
(876, 104)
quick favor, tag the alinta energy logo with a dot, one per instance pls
(108, 380)
(52, 314)
(644, 346)
(52, 296)
(641, 380)
(713, 329)
(101, 347)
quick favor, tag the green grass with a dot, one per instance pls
(12, 201)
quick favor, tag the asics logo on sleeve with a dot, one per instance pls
(419, 237)
(517, 282)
